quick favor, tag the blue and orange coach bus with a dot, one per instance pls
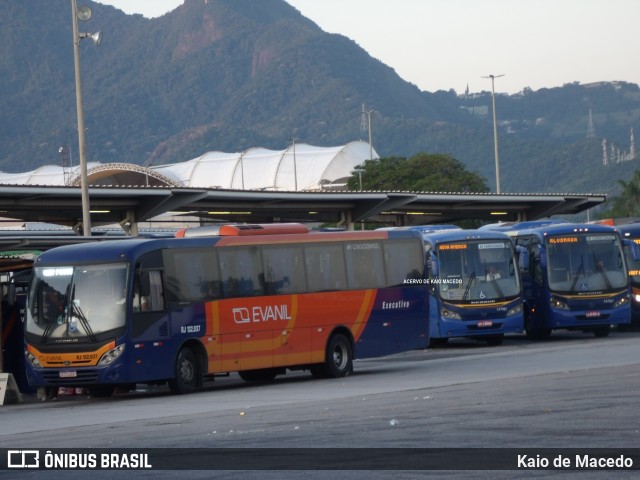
(253, 299)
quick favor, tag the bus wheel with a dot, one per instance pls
(494, 340)
(261, 375)
(101, 391)
(338, 359)
(186, 375)
(602, 331)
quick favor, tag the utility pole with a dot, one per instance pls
(84, 14)
(495, 129)
(295, 167)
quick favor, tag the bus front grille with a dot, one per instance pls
(82, 377)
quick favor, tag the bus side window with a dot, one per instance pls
(284, 270)
(148, 295)
(401, 257)
(365, 267)
(325, 265)
(241, 269)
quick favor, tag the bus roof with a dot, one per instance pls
(631, 230)
(424, 229)
(560, 228)
(510, 226)
(461, 235)
(130, 249)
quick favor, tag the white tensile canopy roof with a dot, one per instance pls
(300, 167)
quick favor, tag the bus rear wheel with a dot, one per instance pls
(186, 373)
(338, 359)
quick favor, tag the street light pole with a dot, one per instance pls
(295, 167)
(84, 182)
(369, 112)
(495, 129)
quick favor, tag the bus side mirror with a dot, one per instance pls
(523, 258)
(435, 269)
(543, 259)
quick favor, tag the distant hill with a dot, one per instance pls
(233, 74)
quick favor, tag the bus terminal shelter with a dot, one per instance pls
(128, 206)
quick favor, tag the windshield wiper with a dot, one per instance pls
(77, 311)
(47, 331)
(494, 282)
(85, 323)
(575, 278)
(602, 272)
(468, 287)
(54, 322)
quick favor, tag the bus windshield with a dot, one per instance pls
(585, 263)
(477, 271)
(76, 303)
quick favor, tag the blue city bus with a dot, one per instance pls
(574, 277)
(474, 286)
(252, 299)
(631, 234)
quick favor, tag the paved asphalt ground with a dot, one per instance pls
(572, 391)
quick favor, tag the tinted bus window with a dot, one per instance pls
(156, 295)
(325, 267)
(365, 265)
(401, 256)
(192, 275)
(284, 269)
(243, 271)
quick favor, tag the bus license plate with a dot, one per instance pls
(595, 314)
(485, 323)
(69, 374)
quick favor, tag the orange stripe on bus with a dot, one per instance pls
(264, 331)
(75, 359)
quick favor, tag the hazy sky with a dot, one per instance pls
(445, 44)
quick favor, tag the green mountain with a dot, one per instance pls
(234, 74)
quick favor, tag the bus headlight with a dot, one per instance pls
(558, 304)
(32, 359)
(515, 310)
(621, 301)
(446, 313)
(111, 355)
(636, 297)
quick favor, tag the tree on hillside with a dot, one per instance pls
(422, 172)
(627, 204)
